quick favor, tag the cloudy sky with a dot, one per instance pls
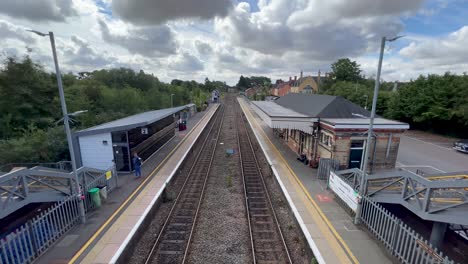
(222, 39)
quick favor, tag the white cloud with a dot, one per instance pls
(153, 41)
(203, 48)
(160, 11)
(83, 55)
(185, 62)
(318, 29)
(450, 49)
(222, 41)
(38, 10)
(10, 31)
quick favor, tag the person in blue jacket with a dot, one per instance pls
(137, 164)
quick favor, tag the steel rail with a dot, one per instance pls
(265, 189)
(245, 188)
(204, 186)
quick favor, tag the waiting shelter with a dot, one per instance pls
(144, 133)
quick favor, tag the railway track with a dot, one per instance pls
(267, 240)
(172, 242)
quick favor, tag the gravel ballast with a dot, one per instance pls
(221, 234)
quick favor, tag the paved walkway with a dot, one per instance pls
(64, 250)
(330, 230)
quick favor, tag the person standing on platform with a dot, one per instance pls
(137, 164)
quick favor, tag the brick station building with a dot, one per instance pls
(323, 126)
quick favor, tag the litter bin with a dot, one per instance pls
(103, 191)
(94, 192)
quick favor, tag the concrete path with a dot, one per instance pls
(330, 230)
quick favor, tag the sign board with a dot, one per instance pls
(144, 131)
(108, 175)
(343, 190)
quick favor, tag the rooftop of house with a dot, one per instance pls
(273, 109)
(363, 123)
(323, 106)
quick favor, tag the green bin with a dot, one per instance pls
(94, 192)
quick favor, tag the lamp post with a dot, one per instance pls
(365, 105)
(172, 100)
(66, 118)
(371, 125)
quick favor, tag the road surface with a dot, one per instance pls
(429, 153)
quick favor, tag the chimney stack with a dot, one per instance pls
(290, 78)
(295, 78)
(301, 74)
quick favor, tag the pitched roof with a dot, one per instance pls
(324, 106)
(129, 122)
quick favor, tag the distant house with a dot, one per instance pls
(307, 84)
(250, 92)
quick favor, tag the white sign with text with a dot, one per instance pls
(343, 190)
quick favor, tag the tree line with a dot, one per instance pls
(30, 105)
(437, 103)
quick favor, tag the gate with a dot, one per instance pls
(325, 166)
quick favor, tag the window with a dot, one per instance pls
(326, 139)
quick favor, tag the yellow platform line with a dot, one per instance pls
(315, 205)
(132, 195)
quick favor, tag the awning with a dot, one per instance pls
(277, 116)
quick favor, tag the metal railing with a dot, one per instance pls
(61, 165)
(33, 238)
(399, 239)
(325, 166)
(105, 179)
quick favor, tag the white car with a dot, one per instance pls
(461, 146)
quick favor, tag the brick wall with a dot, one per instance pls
(323, 151)
(381, 160)
(342, 150)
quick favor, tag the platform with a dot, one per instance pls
(328, 228)
(106, 243)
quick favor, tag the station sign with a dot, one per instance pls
(344, 191)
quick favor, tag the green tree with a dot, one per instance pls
(26, 93)
(346, 70)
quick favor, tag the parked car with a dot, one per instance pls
(461, 146)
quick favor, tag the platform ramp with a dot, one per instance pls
(435, 197)
(23, 186)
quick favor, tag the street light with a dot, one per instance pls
(66, 118)
(365, 106)
(371, 125)
(172, 100)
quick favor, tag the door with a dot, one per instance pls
(302, 139)
(121, 157)
(355, 154)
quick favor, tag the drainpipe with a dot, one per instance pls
(316, 139)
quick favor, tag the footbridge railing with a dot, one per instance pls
(39, 184)
(441, 197)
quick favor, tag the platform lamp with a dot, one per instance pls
(66, 120)
(172, 100)
(371, 125)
